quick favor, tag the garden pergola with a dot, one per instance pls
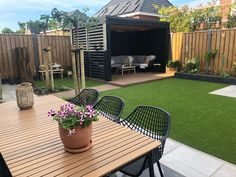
(115, 36)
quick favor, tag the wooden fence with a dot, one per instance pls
(196, 44)
(60, 46)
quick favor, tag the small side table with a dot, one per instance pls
(125, 68)
(156, 66)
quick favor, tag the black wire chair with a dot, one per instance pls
(110, 107)
(85, 97)
(4, 170)
(153, 122)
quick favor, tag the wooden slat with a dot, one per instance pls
(34, 148)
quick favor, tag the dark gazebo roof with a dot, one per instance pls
(124, 7)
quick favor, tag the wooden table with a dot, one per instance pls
(125, 68)
(54, 71)
(30, 144)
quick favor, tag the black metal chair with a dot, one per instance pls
(4, 171)
(153, 122)
(85, 97)
(110, 107)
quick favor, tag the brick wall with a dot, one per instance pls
(225, 5)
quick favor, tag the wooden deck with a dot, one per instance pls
(139, 77)
(30, 144)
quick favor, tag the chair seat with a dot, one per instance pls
(131, 169)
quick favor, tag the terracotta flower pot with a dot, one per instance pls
(79, 141)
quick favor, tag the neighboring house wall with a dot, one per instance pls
(57, 33)
(225, 6)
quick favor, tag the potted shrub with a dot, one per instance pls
(173, 66)
(75, 126)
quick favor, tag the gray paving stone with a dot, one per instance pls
(190, 162)
(229, 91)
(170, 146)
(227, 170)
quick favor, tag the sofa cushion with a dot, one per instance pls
(149, 58)
(128, 60)
(116, 59)
(139, 58)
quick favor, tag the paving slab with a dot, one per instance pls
(227, 170)
(170, 146)
(191, 163)
(8, 92)
(229, 91)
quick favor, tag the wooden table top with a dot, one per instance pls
(30, 144)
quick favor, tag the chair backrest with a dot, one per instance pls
(110, 107)
(150, 121)
(85, 97)
(4, 171)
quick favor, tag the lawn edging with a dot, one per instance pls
(208, 78)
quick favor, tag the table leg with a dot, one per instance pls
(122, 71)
(150, 165)
(62, 75)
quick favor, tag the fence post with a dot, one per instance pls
(36, 54)
(209, 38)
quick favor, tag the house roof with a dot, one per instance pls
(124, 7)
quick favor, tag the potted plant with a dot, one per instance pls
(173, 66)
(75, 126)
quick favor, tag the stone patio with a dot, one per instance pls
(180, 160)
(229, 91)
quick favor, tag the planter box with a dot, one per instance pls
(208, 78)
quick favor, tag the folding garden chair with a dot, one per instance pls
(85, 97)
(153, 122)
(4, 171)
(110, 107)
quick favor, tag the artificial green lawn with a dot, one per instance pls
(198, 119)
(67, 83)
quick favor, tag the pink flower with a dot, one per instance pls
(91, 113)
(81, 121)
(71, 132)
(51, 113)
(62, 114)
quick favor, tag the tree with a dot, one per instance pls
(76, 20)
(7, 30)
(22, 28)
(231, 23)
(185, 19)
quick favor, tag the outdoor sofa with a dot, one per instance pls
(140, 61)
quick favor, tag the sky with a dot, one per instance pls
(14, 11)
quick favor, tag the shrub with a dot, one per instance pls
(192, 65)
(174, 64)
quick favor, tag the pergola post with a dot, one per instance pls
(82, 67)
(76, 86)
(51, 69)
(46, 68)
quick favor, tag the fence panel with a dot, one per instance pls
(60, 46)
(195, 44)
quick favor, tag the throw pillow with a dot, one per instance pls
(130, 59)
